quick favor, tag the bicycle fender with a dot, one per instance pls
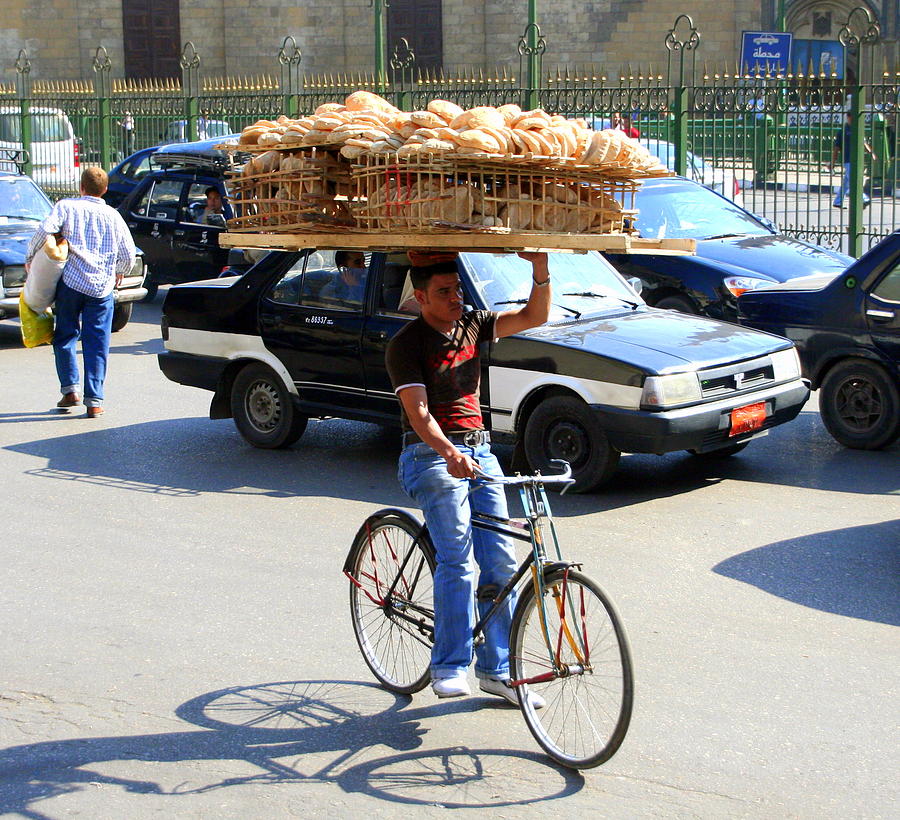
(375, 518)
(559, 566)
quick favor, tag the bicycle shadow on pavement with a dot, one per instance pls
(320, 731)
(851, 571)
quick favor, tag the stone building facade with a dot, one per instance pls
(336, 36)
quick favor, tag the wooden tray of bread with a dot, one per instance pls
(482, 241)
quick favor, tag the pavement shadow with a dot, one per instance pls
(853, 571)
(283, 730)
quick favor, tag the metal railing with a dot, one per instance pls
(776, 133)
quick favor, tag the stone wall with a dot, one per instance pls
(60, 36)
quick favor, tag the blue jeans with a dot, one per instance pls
(844, 190)
(448, 507)
(79, 316)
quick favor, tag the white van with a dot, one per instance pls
(55, 160)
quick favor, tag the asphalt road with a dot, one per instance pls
(176, 639)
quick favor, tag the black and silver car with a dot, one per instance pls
(605, 375)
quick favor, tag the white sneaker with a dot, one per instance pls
(454, 687)
(502, 689)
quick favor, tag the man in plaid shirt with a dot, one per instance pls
(101, 252)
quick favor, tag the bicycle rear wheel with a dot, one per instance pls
(587, 709)
(392, 601)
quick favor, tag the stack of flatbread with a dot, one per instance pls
(366, 125)
(549, 207)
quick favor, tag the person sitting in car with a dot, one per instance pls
(348, 286)
(214, 205)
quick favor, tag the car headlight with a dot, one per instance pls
(736, 285)
(785, 364)
(13, 276)
(137, 267)
(671, 390)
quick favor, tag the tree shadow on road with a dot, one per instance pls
(294, 731)
(853, 571)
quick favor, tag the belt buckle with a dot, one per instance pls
(472, 438)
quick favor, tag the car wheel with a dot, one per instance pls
(860, 405)
(263, 410)
(722, 452)
(121, 315)
(152, 289)
(679, 303)
(563, 427)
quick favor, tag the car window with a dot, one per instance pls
(325, 279)
(196, 204)
(45, 127)
(396, 288)
(582, 283)
(678, 210)
(21, 199)
(160, 201)
(889, 286)
(137, 169)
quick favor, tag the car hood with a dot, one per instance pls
(774, 256)
(14, 239)
(660, 340)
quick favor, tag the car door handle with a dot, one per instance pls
(379, 336)
(883, 315)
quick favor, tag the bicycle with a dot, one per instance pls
(567, 642)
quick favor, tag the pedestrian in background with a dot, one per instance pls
(842, 149)
(101, 252)
(127, 124)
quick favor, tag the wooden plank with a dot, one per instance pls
(461, 241)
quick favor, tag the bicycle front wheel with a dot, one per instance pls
(588, 696)
(392, 601)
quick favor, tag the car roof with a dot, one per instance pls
(202, 153)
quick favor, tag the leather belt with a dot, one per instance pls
(473, 438)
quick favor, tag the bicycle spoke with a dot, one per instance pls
(588, 702)
(392, 625)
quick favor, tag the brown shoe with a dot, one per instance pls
(93, 412)
(69, 400)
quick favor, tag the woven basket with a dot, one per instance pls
(306, 190)
(427, 193)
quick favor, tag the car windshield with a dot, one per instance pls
(21, 199)
(675, 209)
(583, 283)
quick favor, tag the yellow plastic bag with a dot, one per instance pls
(37, 328)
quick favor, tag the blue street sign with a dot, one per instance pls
(766, 50)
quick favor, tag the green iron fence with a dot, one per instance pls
(772, 134)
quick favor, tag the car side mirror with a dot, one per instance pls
(216, 220)
(636, 284)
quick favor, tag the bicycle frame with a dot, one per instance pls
(531, 530)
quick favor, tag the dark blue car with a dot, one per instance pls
(736, 251)
(847, 332)
(124, 178)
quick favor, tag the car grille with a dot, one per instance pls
(736, 378)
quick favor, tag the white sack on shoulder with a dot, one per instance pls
(43, 274)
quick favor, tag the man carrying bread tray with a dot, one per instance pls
(434, 366)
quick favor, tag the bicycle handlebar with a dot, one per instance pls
(565, 477)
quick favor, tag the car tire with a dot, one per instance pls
(564, 427)
(722, 452)
(680, 303)
(152, 288)
(263, 410)
(860, 405)
(121, 315)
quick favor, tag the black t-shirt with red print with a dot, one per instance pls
(447, 366)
